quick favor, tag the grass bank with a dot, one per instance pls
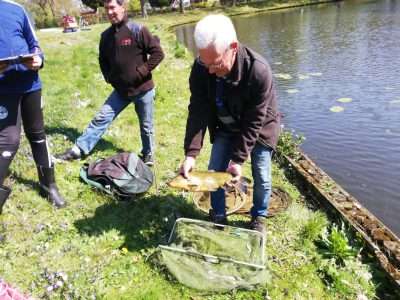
(98, 248)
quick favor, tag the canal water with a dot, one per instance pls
(337, 69)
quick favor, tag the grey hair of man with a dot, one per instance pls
(119, 2)
(215, 30)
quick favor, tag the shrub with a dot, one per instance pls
(134, 5)
(314, 227)
(179, 50)
(335, 245)
(288, 144)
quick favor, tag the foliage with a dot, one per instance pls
(335, 244)
(43, 20)
(135, 5)
(288, 144)
(313, 228)
(179, 50)
(93, 3)
(48, 13)
(349, 281)
(202, 4)
(158, 3)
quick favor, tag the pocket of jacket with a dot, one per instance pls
(129, 77)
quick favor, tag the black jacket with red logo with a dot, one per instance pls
(128, 53)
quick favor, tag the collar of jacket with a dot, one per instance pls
(118, 26)
(235, 75)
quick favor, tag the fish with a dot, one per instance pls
(201, 181)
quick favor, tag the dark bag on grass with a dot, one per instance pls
(124, 175)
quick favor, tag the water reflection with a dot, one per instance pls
(320, 54)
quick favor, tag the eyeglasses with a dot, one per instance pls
(213, 66)
(216, 65)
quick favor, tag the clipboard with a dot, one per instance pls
(11, 60)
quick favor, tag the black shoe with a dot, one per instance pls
(217, 219)
(4, 193)
(258, 224)
(147, 159)
(48, 187)
(69, 155)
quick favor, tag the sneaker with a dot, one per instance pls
(258, 224)
(70, 154)
(217, 219)
(147, 159)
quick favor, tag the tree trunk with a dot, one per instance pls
(42, 5)
(52, 8)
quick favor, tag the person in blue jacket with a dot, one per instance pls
(21, 101)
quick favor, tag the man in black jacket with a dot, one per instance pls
(127, 54)
(233, 95)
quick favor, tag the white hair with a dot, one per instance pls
(215, 30)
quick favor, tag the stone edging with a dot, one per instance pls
(383, 243)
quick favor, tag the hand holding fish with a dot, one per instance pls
(236, 170)
(187, 166)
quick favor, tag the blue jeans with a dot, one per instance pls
(110, 110)
(221, 153)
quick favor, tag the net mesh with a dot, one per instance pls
(211, 257)
(239, 200)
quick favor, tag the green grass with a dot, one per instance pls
(98, 248)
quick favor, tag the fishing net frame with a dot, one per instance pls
(215, 258)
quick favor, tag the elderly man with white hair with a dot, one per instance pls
(233, 95)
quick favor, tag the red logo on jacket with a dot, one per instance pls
(126, 42)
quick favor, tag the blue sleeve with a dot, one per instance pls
(30, 37)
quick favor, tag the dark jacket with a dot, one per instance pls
(249, 96)
(128, 53)
(17, 37)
